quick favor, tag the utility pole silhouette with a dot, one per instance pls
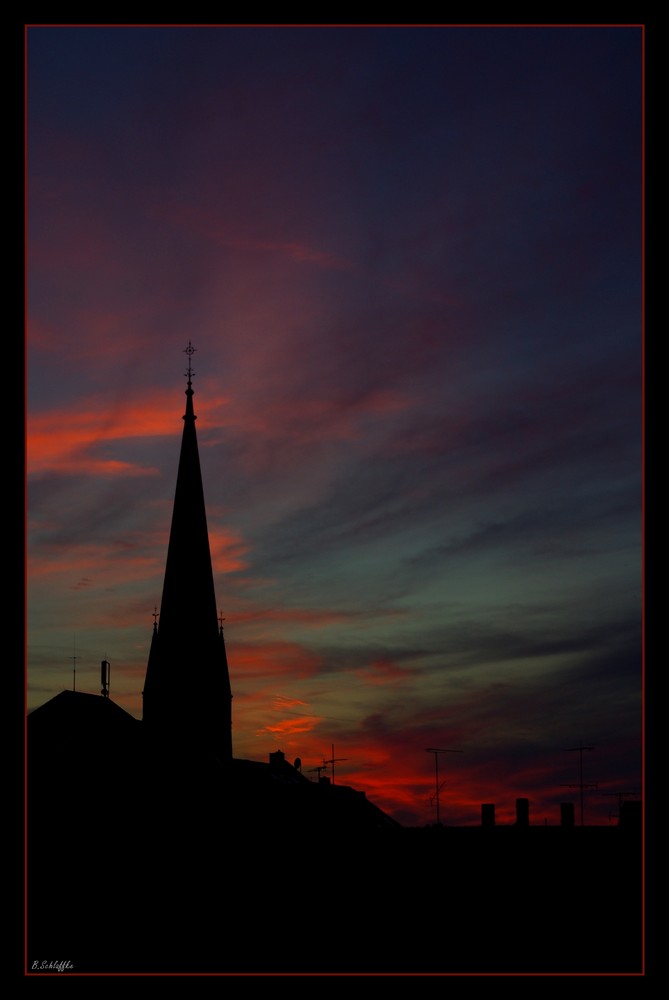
(436, 753)
(581, 785)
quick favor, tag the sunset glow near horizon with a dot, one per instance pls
(409, 260)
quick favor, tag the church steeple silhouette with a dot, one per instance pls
(187, 695)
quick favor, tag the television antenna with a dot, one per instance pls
(434, 794)
(436, 751)
(74, 659)
(333, 760)
(621, 796)
(581, 784)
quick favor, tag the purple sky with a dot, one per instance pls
(410, 262)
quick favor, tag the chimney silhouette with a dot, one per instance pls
(567, 814)
(488, 814)
(522, 812)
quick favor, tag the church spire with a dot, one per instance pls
(187, 689)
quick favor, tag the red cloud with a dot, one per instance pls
(291, 727)
(195, 221)
(86, 562)
(227, 550)
(294, 250)
(311, 617)
(280, 702)
(66, 440)
(269, 659)
(383, 671)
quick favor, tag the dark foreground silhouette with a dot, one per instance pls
(142, 859)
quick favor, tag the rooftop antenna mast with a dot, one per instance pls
(74, 659)
(333, 760)
(436, 751)
(581, 785)
(434, 794)
(105, 676)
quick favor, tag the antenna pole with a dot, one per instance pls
(579, 749)
(332, 761)
(74, 659)
(105, 677)
(436, 753)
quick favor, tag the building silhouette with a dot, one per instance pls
(152, 849)
(181, 751)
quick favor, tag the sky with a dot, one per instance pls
(410, 262)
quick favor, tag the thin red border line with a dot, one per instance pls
(25, 501)
(640, 26)
(367, 975)
(528, 24)
(643, 497)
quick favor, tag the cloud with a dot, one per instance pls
(272, 659)
(201, 224)
(228, 550)
(290, 727)
(106, 564)
(418, 382)
(67, 441)
(384, 671)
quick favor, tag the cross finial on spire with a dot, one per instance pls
(156, 616)
(190, 351)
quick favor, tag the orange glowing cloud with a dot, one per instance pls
(227, 550)
(291, 727)
(299, 723)
(272, 717)
(65, 441)
(83, 565)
